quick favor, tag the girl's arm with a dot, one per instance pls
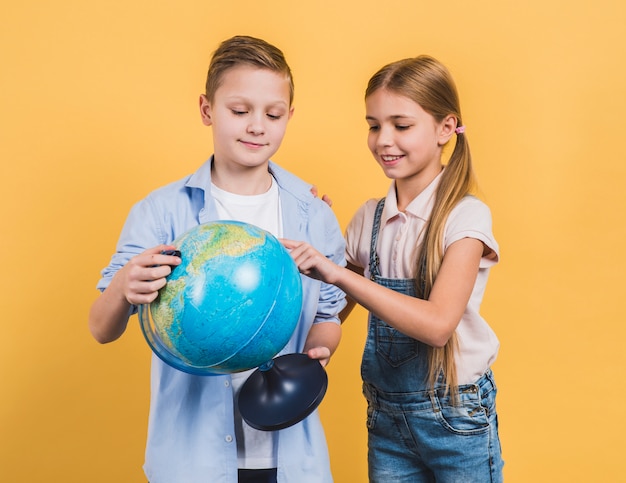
(431, 321)
(138, 282)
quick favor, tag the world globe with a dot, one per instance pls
(231, 305)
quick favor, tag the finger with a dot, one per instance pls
(144, 292)
(140, 299)
(158, 249)
(318, 353)
(289, 244)
(167, 256)
(321, 354)
(149, 285)
(157, 272)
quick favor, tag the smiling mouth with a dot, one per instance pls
(388, 158)
(252, 145)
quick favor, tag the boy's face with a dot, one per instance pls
(249, 115)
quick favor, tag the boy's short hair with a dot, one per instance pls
(244, 50)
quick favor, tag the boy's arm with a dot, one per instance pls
(109, 314)
(322, 341)
(325, 333)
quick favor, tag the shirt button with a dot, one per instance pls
(228, 438)
(226, 383)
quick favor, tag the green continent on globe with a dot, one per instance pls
(206, 243)
(231, 305)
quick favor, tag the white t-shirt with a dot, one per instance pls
(255, 449)
(398, 242)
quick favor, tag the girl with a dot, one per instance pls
(425, 251)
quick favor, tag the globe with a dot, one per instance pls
(231, 305)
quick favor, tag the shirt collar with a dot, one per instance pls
(420, 206)
(201, 179)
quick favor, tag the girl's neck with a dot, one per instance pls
(407, 189)
(246, 181)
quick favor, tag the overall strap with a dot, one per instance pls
(374, 270)
(374, 260)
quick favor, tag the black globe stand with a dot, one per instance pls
(282, 392)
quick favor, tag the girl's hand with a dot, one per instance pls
(325, 198)
(144, 274)
(312, 263)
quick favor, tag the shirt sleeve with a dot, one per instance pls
(140, 232)
(332, 300)
(359, 234)
(471, 218)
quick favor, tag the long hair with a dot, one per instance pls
(427, 82)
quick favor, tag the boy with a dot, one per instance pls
(195, 433)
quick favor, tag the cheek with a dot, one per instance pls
(371, 142)
(279, 129)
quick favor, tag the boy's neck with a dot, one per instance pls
(240, 180)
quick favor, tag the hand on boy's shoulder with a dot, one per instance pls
(325, 198)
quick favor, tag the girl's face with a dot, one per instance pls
(405, 140)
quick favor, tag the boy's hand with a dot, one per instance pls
(144, 274)
(322, 354)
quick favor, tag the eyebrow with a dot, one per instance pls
(246, 100)
(394, 117)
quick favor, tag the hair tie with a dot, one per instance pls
(460, 130)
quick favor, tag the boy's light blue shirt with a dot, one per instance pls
(191, 433)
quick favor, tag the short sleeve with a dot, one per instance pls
(358, 235)
(471, 218)
(140, 232)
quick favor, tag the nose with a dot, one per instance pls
(384, 136)
(256, 125)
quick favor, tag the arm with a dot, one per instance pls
(325, 333)
(431, 321)
(138, 282)
(350, 302)
(322, 341)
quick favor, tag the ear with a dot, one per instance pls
(290, 112)
(205, 110)
(446, 129)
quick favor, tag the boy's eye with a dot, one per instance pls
(373, 128)
(402, 127)
(237, 112)
(274, 117)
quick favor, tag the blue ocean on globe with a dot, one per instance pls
(231, 305)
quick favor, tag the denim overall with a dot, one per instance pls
(416, 434)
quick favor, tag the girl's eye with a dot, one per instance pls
(373, 128)
(402, 127)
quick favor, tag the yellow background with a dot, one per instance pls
(98, 106)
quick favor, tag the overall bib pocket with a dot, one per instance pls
(393, 346)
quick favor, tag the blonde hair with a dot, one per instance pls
(427, 82)
(244, 50)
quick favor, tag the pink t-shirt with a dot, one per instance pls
(399, 238)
